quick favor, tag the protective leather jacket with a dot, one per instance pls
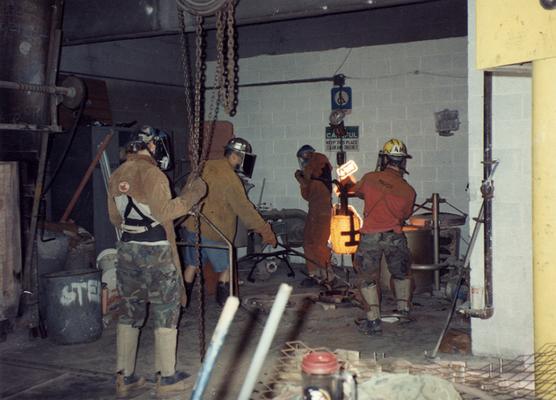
(225, 202)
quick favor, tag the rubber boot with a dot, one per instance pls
(372, 325)
(170, 381)
(370, 295)
(402, 289)
(222, 293)
(126, 344)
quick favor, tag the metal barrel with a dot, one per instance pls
(73, 306)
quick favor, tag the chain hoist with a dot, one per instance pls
(225, 88)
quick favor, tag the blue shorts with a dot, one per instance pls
(218, 257)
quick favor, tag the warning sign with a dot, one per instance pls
(350, 140)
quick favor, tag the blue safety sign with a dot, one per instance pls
(341, 98)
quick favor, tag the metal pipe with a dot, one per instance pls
(488, 190)
(86, 177)
(436, 238)
(179, 85)
(463, 268)
(231, 253)
(30, 273)
(266, 340)
(53, 59)
(220, 332)
(29, 127)
(31, 87)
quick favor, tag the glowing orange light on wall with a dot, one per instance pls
(344, 230)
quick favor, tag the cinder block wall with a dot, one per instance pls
(509, 332)
(396, 90)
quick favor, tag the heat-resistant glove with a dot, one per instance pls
(193, 191)
(267, 235)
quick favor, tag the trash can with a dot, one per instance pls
(73, 306)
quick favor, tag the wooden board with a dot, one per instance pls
(223, 132)
(10, 240)
(513, 32)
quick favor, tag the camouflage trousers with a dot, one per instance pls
(146, 274)
(369, 254)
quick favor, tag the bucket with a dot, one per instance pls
(73, 306)
(52, 251)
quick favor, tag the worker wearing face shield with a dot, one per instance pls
(140, 204)
(225, 202)
(315, 183)
(389, 201)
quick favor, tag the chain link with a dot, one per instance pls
(225, 87)
(230, 102)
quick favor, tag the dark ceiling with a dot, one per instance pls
(274, 26)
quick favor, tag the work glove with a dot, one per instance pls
(268, 235)
(193, 191)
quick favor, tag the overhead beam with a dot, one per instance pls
(108, 20)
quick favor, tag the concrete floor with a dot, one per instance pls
(40, 369)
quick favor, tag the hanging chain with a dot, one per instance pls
(230, 99)
(225, 87)
(197, 168)
(186, 67)
(193, 116)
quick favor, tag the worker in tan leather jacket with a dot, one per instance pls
(225, 202)
(141, 206)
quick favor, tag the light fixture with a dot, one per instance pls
(447, 122)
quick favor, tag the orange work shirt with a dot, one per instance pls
(388, 199)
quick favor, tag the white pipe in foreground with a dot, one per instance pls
(220, 332)
(266, 340)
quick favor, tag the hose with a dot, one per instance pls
(68, 146)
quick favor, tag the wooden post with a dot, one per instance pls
(10, 240)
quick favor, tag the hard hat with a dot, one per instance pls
(303, 155)
(161, 151)
(239, 144)
(242, 146)
(146, 133)
(395, 148)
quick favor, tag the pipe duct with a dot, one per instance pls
(24, 40)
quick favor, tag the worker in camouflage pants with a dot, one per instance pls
(140, 204)
(147, 273)
(389, 201)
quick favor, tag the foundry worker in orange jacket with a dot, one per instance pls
(315, 184)
(225, 202)
(140, 204)
(389, 201)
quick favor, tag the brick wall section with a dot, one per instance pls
(389, 100)
(509, 332)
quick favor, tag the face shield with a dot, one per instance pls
(161, 152)
(160, 149)
(303, 160)
(247, 164)
(384, 160)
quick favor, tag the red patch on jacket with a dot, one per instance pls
(123, 187)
